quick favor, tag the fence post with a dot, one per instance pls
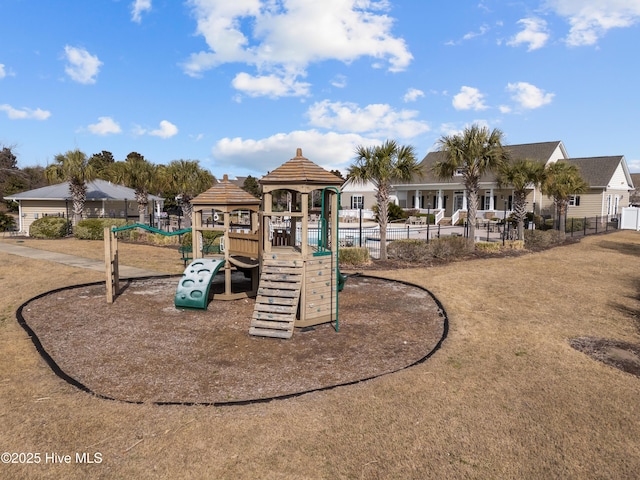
(596, 224)
(408, 232)
(585, 225)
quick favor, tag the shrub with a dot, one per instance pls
(534, 239)
(209, 237)
(395, 212)
(6, 222)
(413, 250)
(489, 246)
(93, 228)
(354, 256)
(453, 246)
(576, 224)
(49, 227)
(409, 250)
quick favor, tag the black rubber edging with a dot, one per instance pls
(72, 381)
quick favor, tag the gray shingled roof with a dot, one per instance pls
(540, 152)
(96, 190)
(597, 171)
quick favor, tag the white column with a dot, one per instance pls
(416, 200)
(491, 205)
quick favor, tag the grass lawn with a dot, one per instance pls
(505, 397)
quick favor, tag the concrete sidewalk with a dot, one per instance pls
(73, 261)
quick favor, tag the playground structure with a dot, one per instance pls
(239, 244)
(299, 277)
(295, 278)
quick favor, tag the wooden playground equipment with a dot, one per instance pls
(294, 270)
(299, 277)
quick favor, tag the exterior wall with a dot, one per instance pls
(619, 180)
(31, 210)
(349, 189)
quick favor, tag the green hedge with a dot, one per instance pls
(49, 227)
(93, 228)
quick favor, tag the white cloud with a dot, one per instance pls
(591, 19)
(82, 66)
(2, 71)
(378, 120)
(138, 7)
(505, 109)
(25, 113)
(329, 150)
(412, 95)
(469, 36)
(105, 126)
(283, 38)
(269, 85)
(339, 81)
(534, 34)
(529, 96)
(469, 98)
(166, 130)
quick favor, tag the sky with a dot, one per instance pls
(240, 85)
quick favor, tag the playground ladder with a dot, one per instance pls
(278, 297)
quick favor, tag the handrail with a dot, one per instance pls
(150, 229)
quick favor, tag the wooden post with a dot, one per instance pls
(108, 262)
(111, 264)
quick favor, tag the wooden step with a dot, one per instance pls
(276, 307)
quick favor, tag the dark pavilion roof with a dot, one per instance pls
(225, 193)
(300, 171)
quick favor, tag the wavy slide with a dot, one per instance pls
(193, 288)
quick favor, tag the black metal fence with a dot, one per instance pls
(369, 237)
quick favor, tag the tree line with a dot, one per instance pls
(177, 182)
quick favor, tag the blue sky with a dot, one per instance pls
(239, 85)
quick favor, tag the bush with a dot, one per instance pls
(489, 246)
(7, 222)
(394, 212)
(412, 250)
(535, 239)
(93, 228)
(209, 238)
(576, 224)
(49, 227)
(354, 256)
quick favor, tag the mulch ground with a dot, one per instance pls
(142, 349)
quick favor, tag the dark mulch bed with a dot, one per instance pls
(621, 355)
(142, 349)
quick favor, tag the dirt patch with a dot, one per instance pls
(142, 349)
(621, 355)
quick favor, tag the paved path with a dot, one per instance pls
(72, 260)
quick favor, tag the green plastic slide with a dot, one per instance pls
(193, 288)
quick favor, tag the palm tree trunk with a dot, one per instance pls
(383, 216)
(519, 211)
(472, 208)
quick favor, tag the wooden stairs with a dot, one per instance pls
(276, 306)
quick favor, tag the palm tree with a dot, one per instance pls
(471, 154)
(186, 179)
(139, 174)
(72, 167)
(561, 181)
(382, 165)
(522, 175)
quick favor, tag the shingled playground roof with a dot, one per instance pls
(225, 193)
(301, 171)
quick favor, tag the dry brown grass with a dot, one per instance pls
(506, 396)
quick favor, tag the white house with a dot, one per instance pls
(104, 199)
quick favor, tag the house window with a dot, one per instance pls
(459, 172)
(574, 200)
(357, 201)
